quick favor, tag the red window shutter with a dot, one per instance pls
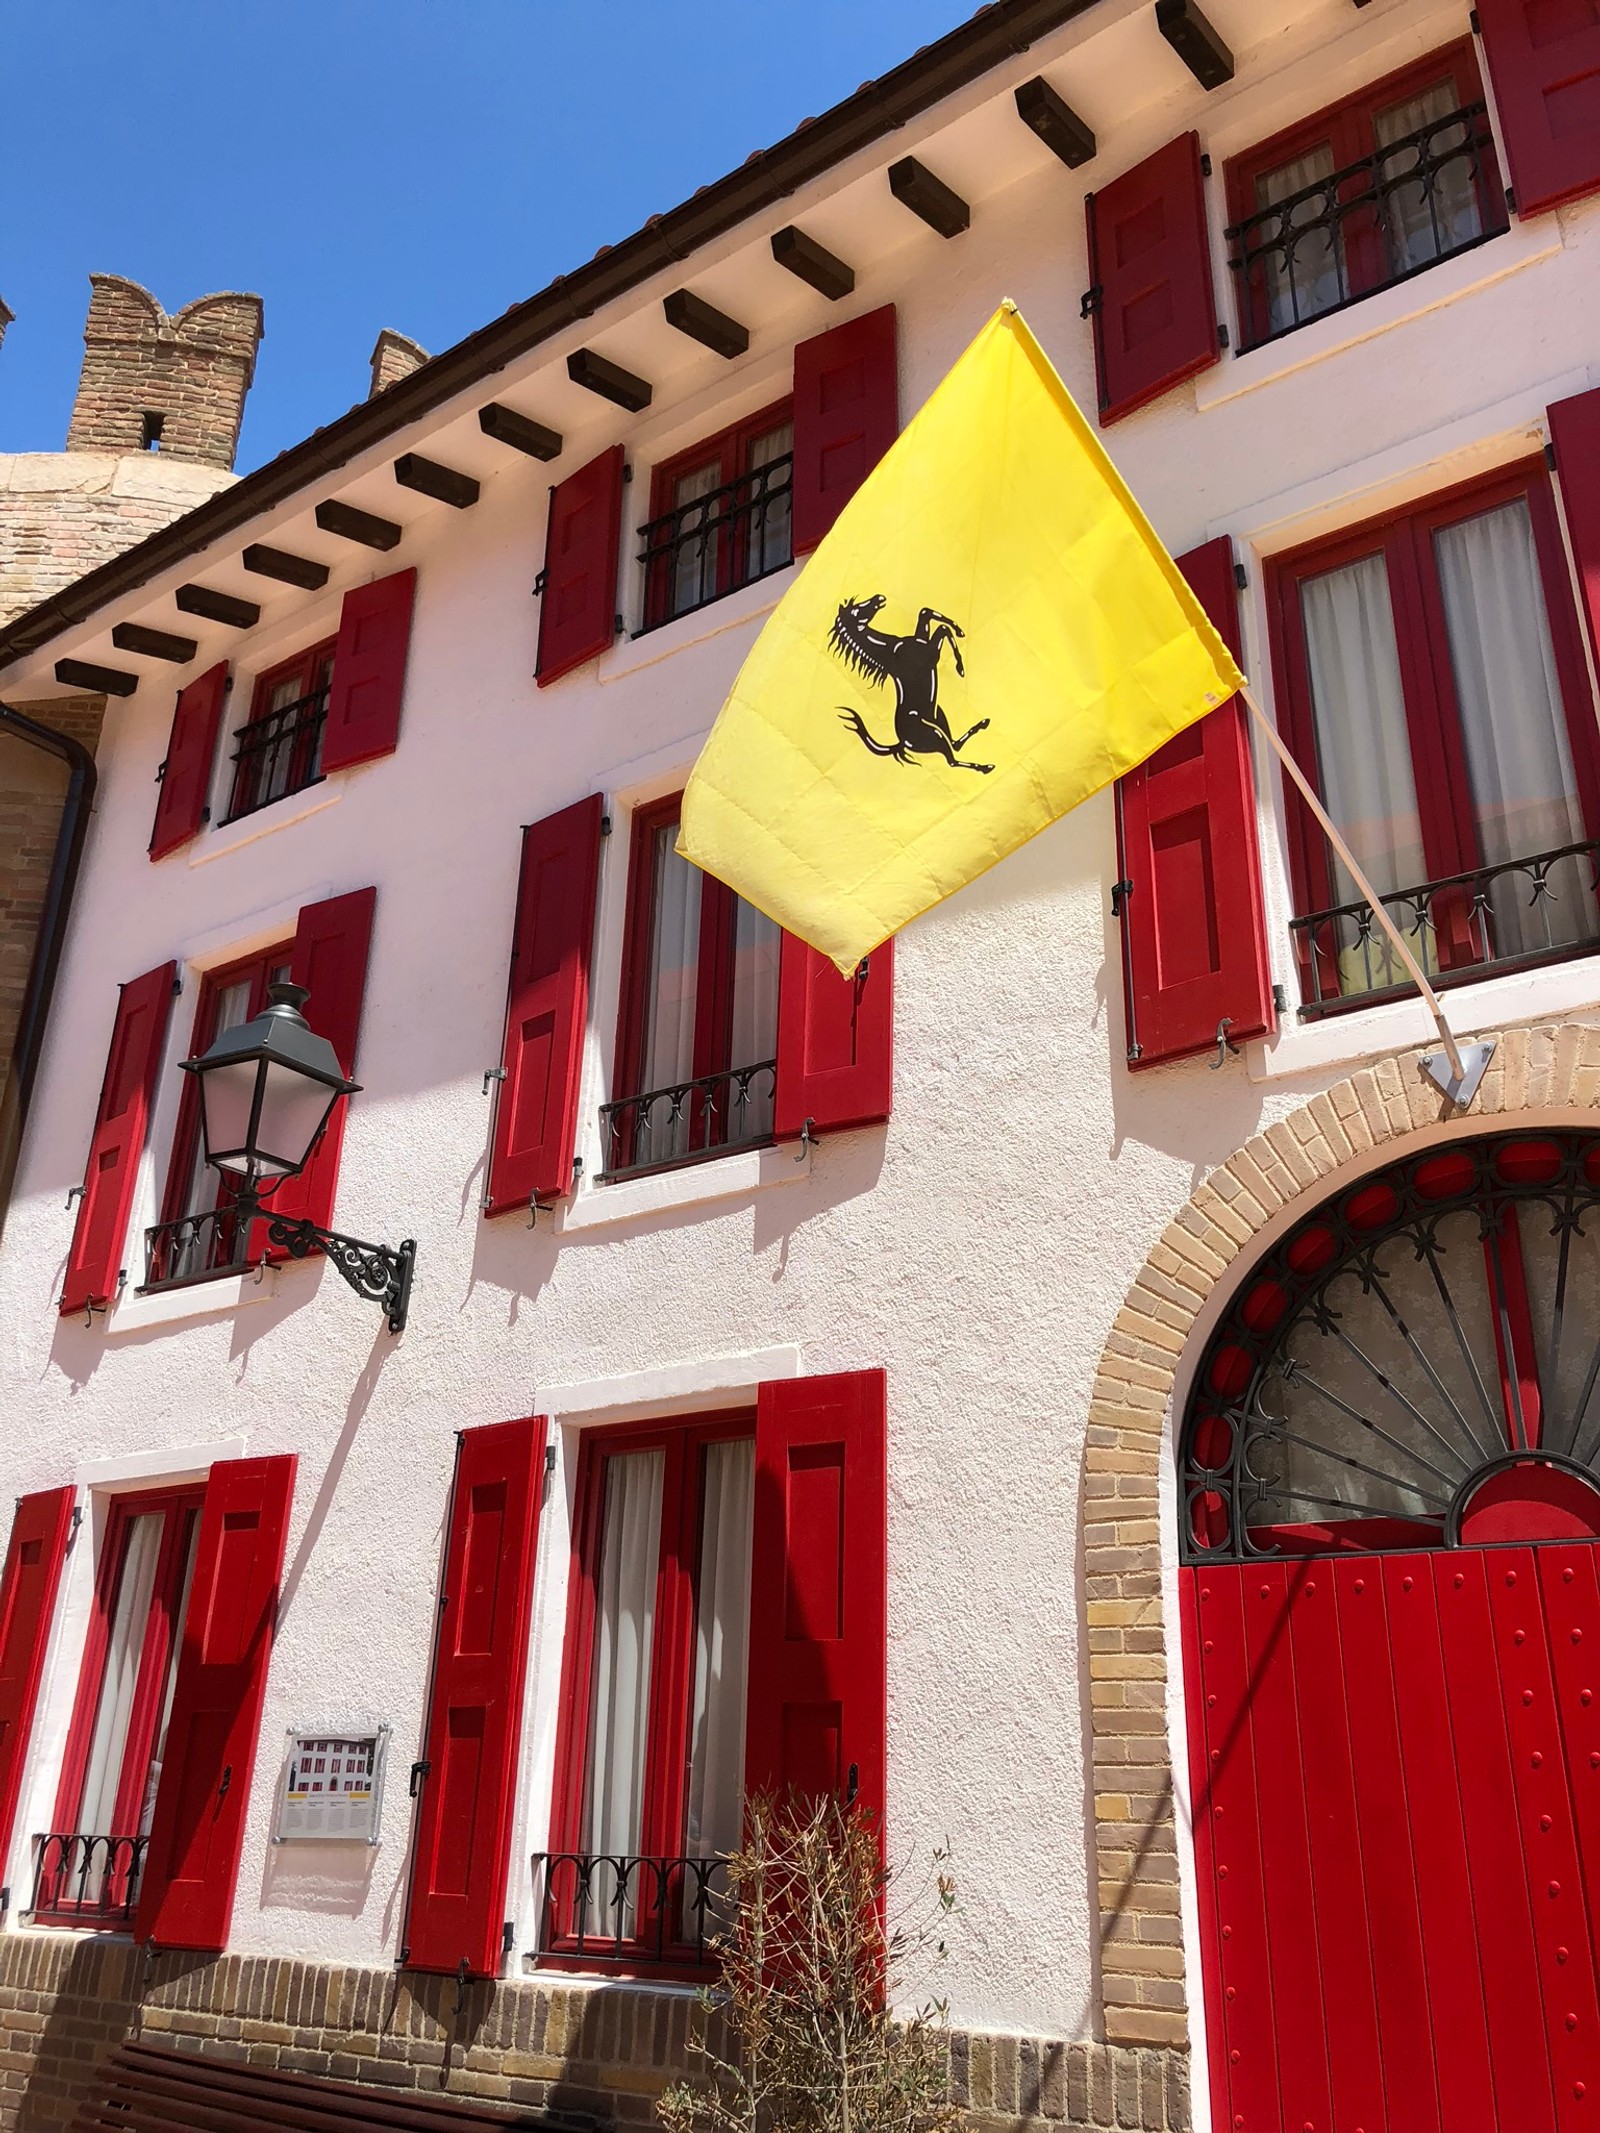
(191, 753)
(369, 671)
(578, 584)
(38, 1548)
(463, 1840)
(846, 416)
(536, 1115)
(819, 1588)
(1195, 943)
(137, 1039)
(1575, 434)
(835, 1041)
(330, 960)
(1544, 62)
(1155, 311)
(197, 1831)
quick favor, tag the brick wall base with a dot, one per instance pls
(607, 2050)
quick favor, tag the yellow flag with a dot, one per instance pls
(989, 633)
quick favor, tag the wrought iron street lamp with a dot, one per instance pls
(267, 1090)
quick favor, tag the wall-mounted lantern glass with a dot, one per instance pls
(267, 1089)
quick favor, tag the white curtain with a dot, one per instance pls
(768, 544)
(152, 1782)
(1308, 277)
(624, 1632)
(756, 943)
(124, 1650)
(1519, 759)
(670, 1004)
(1421, 226)
(694, 567)
(1363, 752)
(721, 1653)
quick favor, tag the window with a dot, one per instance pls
(198, 1233)
(720, 516)
(651, 1775)
(1433, 684)
(698, 1032)
(1362, 195)
(88, 1867)
(279, 750)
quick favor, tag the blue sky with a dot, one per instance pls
(364, 163)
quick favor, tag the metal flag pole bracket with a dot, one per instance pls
(1457, 1071)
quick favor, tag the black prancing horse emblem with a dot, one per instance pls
(912, 664)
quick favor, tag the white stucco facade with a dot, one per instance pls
(978, 1248)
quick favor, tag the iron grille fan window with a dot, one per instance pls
(698, 1031)
(1365, 194)
(650, 1759)
(1431, 680)
(86, 1870)
(279, 750)
(720, 517)
(1422, 1337)
(200, 1234)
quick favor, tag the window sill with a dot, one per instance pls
(139, 1310)
(750, 602)
(1345, 1040)
(1522, 245)
(280, 814)
(722, 1177)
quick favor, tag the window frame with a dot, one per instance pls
(714, 977)
(1404, 537)
(203, 1033)
(160, 1642)
(1347, 126)
(730, 449)
(307, 749)
(683, 1440)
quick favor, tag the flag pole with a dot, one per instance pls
(1464, 1071)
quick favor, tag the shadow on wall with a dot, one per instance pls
(91, 1993)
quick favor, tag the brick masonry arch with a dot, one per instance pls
(1553, 1068)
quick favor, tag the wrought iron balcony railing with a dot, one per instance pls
(194, 1247)
(1514, 916)
(708, 547)
(278, 754)
(81, 1879)
(1293, 262)
(688, 1120)
(615, 1911)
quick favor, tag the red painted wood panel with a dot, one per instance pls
(463, 1827)
(1388, 1857)
(1548, 1839)
(1519, 2053)
(835, 1041)
(197, 1832)
(1397, 1809)
(1344, 1949)
(1544, 62)
(547, 1005)
(369, 671)
(1246, 2054)
(1155, 321)
(1454, 1977)
(1186, 842)
(1297, 1973)
(137, 1038)
(190, 758)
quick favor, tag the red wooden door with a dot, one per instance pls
(1396, 1791)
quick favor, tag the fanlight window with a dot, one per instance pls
(1414, 1365)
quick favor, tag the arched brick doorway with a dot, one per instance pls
(1390, 1503)
(1538, 1074)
